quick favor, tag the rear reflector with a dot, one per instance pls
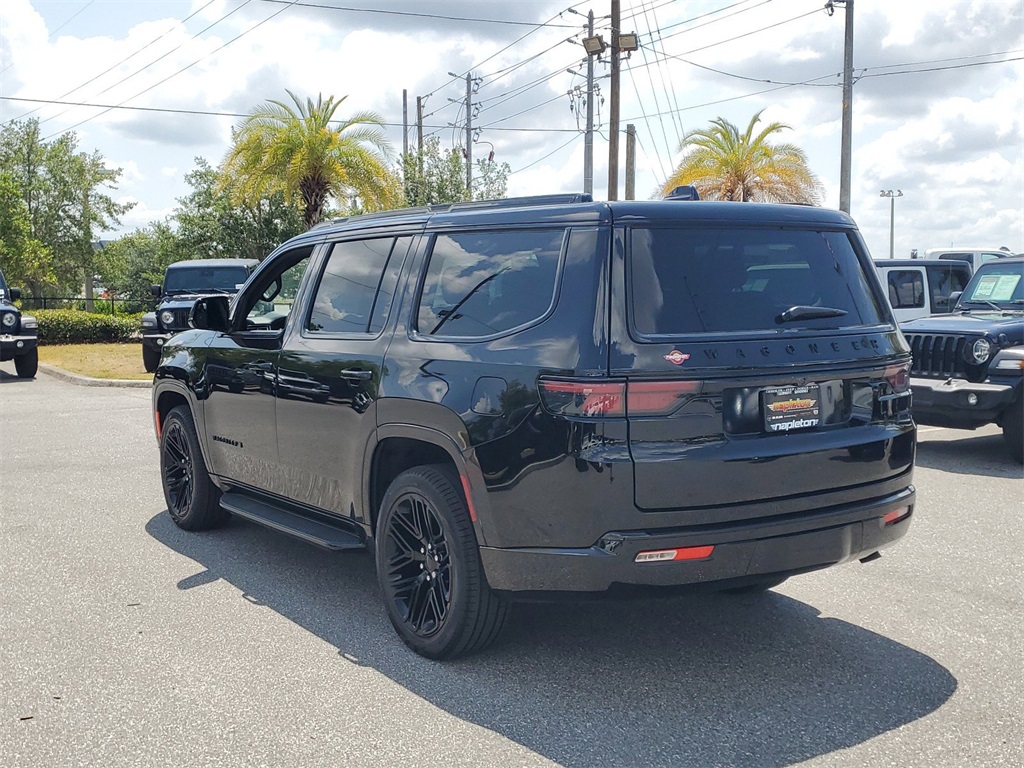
(895, 516)
(682, 553)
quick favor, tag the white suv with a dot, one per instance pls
(972, 255)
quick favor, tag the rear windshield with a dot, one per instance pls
(201, 279)
(706, 280)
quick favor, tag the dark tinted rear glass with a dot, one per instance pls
(187, 279)
(483, 283)
(344, 298)
(706, 280)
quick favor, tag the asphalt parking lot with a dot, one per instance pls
(126, 642)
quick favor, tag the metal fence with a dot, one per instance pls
(109, 306)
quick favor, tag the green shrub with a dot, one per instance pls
(70, 326)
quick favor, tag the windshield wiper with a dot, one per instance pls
(804, 312)
(992, 304)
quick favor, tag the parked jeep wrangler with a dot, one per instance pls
(184, 282)
(19, 334)
(968, 367)
(550, 395)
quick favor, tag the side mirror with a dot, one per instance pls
(15, 294)
(211, 314)
(954, 299)
(155, 290)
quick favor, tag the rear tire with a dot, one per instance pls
(756, 587)
(429, 569)
(1013, 429)
(193, 501)
(26, 365)
(150, 358)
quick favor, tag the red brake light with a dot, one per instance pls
(898, 377)
(590, 399)
(654, 398)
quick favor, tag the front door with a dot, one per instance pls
(241, 374)
(330, 372)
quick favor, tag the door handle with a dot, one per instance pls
(356, 374)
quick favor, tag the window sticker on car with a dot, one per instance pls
(996, 287)
(787, 408)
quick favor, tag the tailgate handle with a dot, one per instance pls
(356, 373)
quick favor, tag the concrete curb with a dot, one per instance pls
(88, 381)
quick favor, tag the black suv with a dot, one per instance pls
(184, 283)
(550, 395)
(19, 334)
(968, 367)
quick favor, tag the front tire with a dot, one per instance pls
(1013, 429)
(150, 358)
(429, 568)
(26, 365)
(193, 501)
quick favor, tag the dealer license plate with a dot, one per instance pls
(789, 408)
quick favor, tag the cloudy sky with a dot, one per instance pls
(938, 99)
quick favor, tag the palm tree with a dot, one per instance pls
(724, 164)
(298, 151)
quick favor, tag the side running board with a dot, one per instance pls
(322, 534)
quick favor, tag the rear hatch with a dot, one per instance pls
(760, 365)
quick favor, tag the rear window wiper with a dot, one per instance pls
(804, 312)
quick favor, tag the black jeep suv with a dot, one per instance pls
(550, 395)
(184, 283)
(968, 367)
(19, 334)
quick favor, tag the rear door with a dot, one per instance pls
(756, 362)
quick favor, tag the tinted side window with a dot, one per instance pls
(990, 256)
(344, 298)
(906, 288)
(484, 283)
(701, 280)
(956, 257)
(943, 281)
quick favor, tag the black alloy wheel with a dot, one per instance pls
(418, 565)
(193, 500)
(428, 566)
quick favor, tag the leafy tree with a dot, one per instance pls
(63, 192)
(439, 176)
(300, 152)
(24, 259)
(724, 164)
(131, 264)
(211, 225)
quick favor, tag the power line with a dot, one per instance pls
(129, 57)
(211, 113)
(183, 69)
(549, 154)
(505, 22)
(940, 69)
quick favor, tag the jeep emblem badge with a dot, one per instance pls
(676, 357)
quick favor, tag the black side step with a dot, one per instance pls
(280, 519)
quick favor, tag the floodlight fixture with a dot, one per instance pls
(594, 46)
(628, 42)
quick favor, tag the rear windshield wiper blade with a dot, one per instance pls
(804, 312)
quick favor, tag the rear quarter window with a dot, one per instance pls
(696, 280)
(481, 284)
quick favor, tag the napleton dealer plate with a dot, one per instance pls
(789, 408)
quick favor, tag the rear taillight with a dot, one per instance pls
(614, 399)
(898, 377)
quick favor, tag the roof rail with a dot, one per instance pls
(502, 202)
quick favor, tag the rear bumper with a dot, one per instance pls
(14, 346)
(946, 403)
(779, 546)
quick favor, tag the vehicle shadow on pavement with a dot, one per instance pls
(705, 680)
(10, 378)
(974, 455)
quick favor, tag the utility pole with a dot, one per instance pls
(846, 150)
(419, 128)
(630, 161)
(469, 134)
(588, 136)
(613, 118)
(405, 122)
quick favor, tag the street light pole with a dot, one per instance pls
(892, 217)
